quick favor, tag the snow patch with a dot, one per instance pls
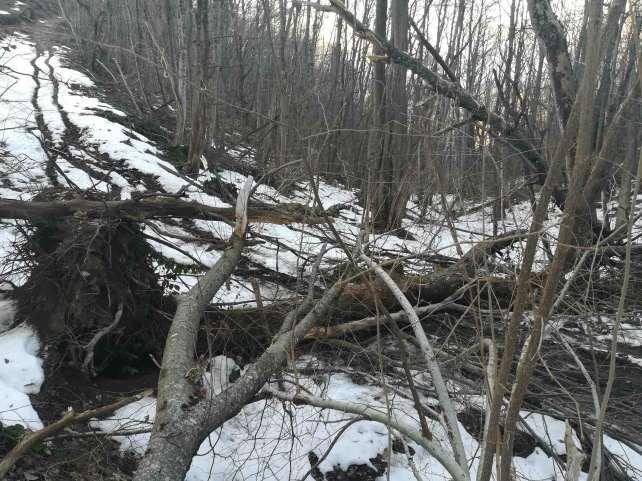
(7, 313)
(21, 374)
(269, 441)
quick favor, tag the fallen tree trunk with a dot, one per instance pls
(373, 321)
(173, 422)
(448, 304)
(438, 286)
(153, 208)
(185, 415)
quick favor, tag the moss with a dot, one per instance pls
(11, 435)
(177, 155)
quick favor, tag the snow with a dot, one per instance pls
(7, 313)
(21, 374)
(631, 334)
(630, 331)
(82, 108)
(69, 76)
(630, 458)
(136, 415)
(199, 252)
(549, 429)
(284, 249)
(10, 268)
(269, 441)
(257, 443)
(18, 134)
(81, 178)
(218, 229)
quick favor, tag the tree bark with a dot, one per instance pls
(517, 139)
(626, 175)
(203, 90)
(551, 34)
(376, 189)
(174, 438)
(583, 157)
(150, 208)
(399, 149)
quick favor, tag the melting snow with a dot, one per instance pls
(21, 374)
(283, 248)
(267, 441)
(263, 441)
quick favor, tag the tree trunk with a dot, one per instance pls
(180, 16)
(551, 34)
(177, 426)
(203, 91)
(584, 154)
(626, 175)
(180, 425)
(397, 112)
(378, 197)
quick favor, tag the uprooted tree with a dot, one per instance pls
(584, 171)
(70, 238)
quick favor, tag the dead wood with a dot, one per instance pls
(69, 418)
(373, 321)
(154, 208)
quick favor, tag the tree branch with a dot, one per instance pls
(70, 417)
(431, 445)
(88, 363)
(445, 402)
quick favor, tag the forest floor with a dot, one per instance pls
(64, 134)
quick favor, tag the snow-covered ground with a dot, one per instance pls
(21, 371)
(70, 105)
(270, 440)
(43, 100)
(38, 82)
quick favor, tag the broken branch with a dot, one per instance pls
(69, 418)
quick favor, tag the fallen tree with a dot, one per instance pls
(181, 422)
(153, 208)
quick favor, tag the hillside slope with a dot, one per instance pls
(60, 138)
